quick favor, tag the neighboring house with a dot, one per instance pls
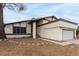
(47, 27)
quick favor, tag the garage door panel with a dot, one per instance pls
(67, 35)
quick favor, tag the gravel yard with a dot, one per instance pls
(35, 47)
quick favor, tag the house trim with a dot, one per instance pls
(18, 34)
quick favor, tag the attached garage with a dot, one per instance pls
(67, 34)
(59, 30)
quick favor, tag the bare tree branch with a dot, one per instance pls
(4, 4)
(15, 6)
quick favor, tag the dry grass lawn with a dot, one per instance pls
(35, 47)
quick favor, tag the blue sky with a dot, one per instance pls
(36, 10)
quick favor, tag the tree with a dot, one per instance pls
(11, 6)
(77, 32)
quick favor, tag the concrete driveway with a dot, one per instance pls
(72, 41)
(68, 42)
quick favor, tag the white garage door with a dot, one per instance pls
(67, 35)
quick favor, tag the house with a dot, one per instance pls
(46, 27)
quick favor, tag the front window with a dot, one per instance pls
(19, 30)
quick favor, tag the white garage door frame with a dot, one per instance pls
(63, 34)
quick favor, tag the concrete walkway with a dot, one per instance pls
(73, 41)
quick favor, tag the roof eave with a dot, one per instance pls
(68, 21)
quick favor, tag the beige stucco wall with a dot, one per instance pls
(28, 28)
(42, 22)
(62, 24)
(48, 19)
(17, 24)
(50, 33)
(17, 36)
(9, 29)
(66, 24)
(23, 24)
(55, 24)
